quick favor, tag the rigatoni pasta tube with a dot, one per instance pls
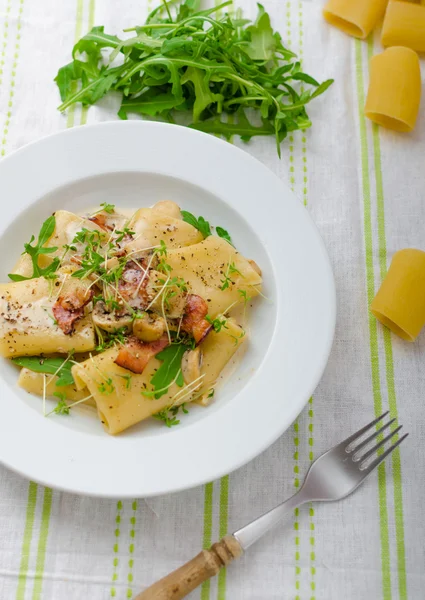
(216, 271)
(118, 392)
(394, 91)
(33, 383)
(27, 324)
(404, 25)
(400, 301)
(355, 17)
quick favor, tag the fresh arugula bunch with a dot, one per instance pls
(194, 61)
(37, 250)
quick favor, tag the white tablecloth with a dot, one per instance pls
(365, 189)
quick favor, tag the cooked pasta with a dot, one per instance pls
(394, 89)
(27, 321)
(41, 383)
(134, 315)
(404, 25)
(355, 17)
(400, 301)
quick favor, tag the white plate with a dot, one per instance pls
(133, 164)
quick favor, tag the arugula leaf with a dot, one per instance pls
(171, 358)
(152, 102)
(223, 234)
(51, 365)
(38, 249)
(263, 44)
(242, 127)
(183, 60)
(200, 223)
(94, 41)
(66, 77)
(203, 94)
(204, 227)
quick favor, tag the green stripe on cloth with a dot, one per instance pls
(207, 537)
(296, 425)
(78, 31)
(42, 544)
(312, 537)
(5, 39)
(373, 332)
(224, 520)
(26, 544)
(12, 79)
(92, 11)
(389, 362)
(131, 549)
(224, 481)
(115, 561)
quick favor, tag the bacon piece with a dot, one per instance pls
(130, 281)
(70, 307)
(66, 318)
(135, 355)
(76, 298)
(101, 221)
(194, 321)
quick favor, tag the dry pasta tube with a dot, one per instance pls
(404, 25)
(400, 301)
(394, 89)
(355, 17)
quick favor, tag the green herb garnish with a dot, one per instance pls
(223, 234)
(217, 323)
(106, 387)
(231, 270)
(37, 250)
(61, 407)
(122, 234)
(108, 208)
(127, 379)
(169, 371)
(162, 252)
(244, 295)
(55, 365)
(199, 223)
(185, 59)
(169, 415)
(204, 227)
(108, 339)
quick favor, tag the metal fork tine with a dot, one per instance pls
(372, 437)
(383, 456)
(361, 431)
(372, 451)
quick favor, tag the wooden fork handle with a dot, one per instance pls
(206, 564)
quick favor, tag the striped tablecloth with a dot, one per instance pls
(365, 189)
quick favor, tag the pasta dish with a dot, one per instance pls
(134, 315)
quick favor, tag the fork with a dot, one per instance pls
(332, 476)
